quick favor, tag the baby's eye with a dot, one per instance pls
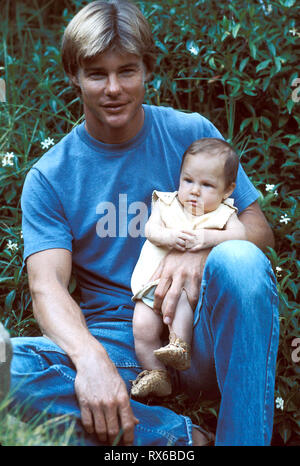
(208, 185)
(188, 180)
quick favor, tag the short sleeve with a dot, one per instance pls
(44, 224)
(245, 192)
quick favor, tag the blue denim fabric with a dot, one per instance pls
(235, 343)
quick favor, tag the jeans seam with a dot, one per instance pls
(198, 309)
(270, 351)
(189, 428)
(169, 437)
(58, 369)
(40, 359)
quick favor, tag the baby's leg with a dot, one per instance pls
(177, 353)
(182, 324)
(147, 328)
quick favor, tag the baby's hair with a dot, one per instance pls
(216, 146)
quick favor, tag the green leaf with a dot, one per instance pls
(235, 30)
(263, 65)
(9, 300)
(243, 64)
(253, 50)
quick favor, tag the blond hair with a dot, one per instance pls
(103, 25)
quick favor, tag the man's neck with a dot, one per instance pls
(109, 135)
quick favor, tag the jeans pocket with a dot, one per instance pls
(119, 345)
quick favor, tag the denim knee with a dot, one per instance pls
(238, 263)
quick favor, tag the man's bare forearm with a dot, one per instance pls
(257, 228)
(61, 319)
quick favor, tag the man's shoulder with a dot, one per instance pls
(180, 120)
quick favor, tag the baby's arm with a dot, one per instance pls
(208, 238)
(160, 235)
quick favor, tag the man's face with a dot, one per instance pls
(112, 89)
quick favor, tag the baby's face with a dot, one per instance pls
(202, 183)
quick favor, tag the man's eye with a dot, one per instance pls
(97, 75)
(127, 72)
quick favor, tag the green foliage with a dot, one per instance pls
(39, 431)
(235, 62)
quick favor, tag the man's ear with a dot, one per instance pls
(74, 79)
(147, 74)
(229, 190)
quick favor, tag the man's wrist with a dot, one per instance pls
(88, 350)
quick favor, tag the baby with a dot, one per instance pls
(199, 215)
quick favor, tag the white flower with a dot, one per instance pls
(194, 50)
(279, 403)
(284, 219)
(270, 187)
(294, 32)
(278, 271)
(47, 143)
(12, 246)
(192, 47)
(21, 234)
(7, 159)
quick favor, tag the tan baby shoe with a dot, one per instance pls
(176, 354)
(155, 382)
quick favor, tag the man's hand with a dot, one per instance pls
(178, 271)
(104, 401)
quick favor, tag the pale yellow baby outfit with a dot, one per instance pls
(176, 217)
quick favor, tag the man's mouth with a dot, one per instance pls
(114, 107)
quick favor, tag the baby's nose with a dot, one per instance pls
(196, 190)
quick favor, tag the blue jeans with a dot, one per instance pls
(236, 332)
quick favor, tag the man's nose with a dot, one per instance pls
(113, 86)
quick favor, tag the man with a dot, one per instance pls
(109, 165)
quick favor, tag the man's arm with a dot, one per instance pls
(184, 270)
(103, 399)
(258, 231)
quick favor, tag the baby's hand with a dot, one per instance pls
(198, 241)
(181, 238)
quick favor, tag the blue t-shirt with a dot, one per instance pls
(94, 200)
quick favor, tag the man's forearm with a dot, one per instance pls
(257, 228)
(61, 319)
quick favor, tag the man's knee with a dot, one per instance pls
(237, 257)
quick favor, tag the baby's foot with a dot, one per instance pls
(155, 382)
(176, 354)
